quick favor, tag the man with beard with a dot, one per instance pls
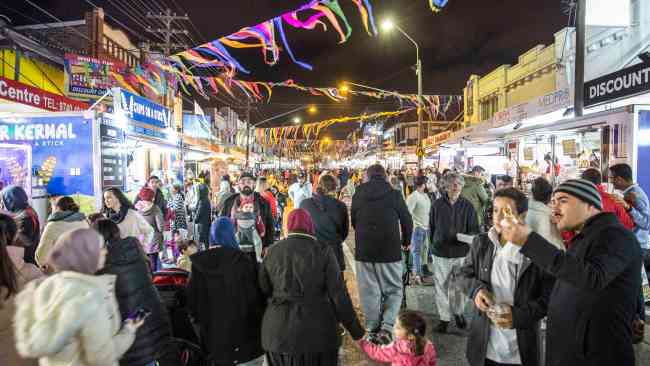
(450, 215)
(261, 208)
(593, 304)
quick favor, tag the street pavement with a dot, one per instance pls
(450, 347)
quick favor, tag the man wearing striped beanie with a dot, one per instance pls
(593, 303)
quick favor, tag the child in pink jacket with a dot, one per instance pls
(410, 347)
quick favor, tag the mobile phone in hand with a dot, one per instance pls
(140, 314)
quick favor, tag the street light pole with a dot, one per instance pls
(418, 70)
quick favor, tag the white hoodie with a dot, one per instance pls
(71, 319)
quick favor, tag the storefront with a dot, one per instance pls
(53, 153)
(152, 144)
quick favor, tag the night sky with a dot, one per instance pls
(467, 37)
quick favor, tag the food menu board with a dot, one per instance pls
(113, 155)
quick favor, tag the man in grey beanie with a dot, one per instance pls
(593, 304)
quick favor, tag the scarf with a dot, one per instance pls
(118, 217)
(222, 232)
(300, 222)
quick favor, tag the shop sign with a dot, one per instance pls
(28, 95)
(528, 153)
(113, 165)
(541, 105)
(569, 148)
(62, 152)
(441, 137)
(197, 126)
(89, 76)
(140, 109)
(617, 85)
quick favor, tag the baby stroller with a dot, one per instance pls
(171, 285)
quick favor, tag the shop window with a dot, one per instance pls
(489, 107)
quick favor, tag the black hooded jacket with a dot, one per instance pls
(379, 214)
(331, 222)
(134, 290)
(225, 300)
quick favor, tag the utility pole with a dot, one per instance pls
(168, 32)
(579, 80)
(167, 19)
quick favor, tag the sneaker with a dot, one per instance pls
(373, 338)
(384, 337)
(461, 323)
(442, 327)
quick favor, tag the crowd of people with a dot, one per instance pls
(261, 264)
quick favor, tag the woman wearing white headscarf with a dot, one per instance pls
(72, 317)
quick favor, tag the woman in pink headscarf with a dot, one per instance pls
(308, 299)
(72, 317)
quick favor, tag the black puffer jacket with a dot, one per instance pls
(307, 298)
(225, 300)
(532, 291)
(379, 214)
(447, 220)
(331, 222)
(134, 290)
(594, 301)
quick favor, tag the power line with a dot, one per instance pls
(57, 19)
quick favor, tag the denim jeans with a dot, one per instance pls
(419, 249)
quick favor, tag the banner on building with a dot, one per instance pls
(90, 77)
(18, 92)
(144, 116)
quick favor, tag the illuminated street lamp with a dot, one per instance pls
(296, 120)
(386, 26)
(312, 109)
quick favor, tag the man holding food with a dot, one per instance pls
(593, 304)
(509, 291)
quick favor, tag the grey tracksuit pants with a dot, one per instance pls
(380, 293)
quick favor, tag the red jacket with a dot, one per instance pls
(268, 196)
(609, 205)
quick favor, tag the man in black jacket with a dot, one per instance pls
(262, 208)
(496, 275)
(450, 215)
(593, 304)
(379, 215)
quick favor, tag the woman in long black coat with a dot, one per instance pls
(134, 290)
(307, 299)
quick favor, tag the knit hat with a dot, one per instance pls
(300, 222)
(583, 190)
(147, 194)
(77, 251)
(222, 232)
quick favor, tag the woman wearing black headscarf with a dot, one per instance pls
(307, 294)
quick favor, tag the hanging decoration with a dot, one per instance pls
(311, 131)
(437, 5)
(320, 14)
